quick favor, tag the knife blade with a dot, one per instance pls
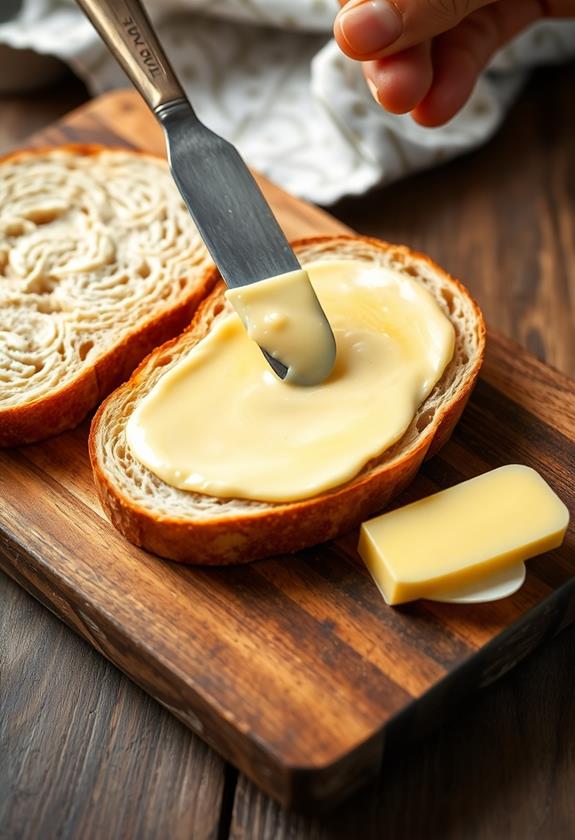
(232, 216)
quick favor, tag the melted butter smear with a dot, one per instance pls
(221, 423)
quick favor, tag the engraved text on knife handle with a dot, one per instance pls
(126, 29)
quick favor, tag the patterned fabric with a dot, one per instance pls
(267, 75)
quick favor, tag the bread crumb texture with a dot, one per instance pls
(95, 245)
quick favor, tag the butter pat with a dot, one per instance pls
(463, 536)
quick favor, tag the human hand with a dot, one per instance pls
(424, 56)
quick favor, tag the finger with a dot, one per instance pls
(371, 29)
(460, 55)
(400, 82)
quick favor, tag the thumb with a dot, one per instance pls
(370, 29)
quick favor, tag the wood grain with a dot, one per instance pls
(445, 466)
(46, 716)
(24, 114)
(504, 767)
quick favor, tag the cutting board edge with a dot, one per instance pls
(316, 788)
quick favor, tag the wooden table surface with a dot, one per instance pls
(86, 754)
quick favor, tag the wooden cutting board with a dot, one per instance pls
(292, 668)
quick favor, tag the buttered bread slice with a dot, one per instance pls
(99, 263)
(196, 527)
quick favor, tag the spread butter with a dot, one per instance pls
(220, 422)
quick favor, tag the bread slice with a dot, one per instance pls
(195, 528)
(99, 263)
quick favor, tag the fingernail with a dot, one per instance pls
(373, 90)
(371, 26)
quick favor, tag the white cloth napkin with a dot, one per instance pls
(267, 75)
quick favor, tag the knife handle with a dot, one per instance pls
(125, 27)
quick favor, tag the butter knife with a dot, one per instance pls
(232, 216)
